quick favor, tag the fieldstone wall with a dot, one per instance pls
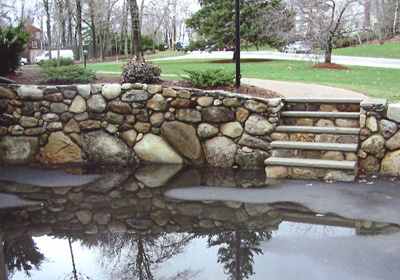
(150, 123)
(134, 123)
(380, 137)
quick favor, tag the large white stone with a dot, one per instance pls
(26, 92)
(372, 124)
(111, 91)
(393, 112)
(84, 90)
(231, 129)
(153, 148)
(18, 149)
(391, 163)
(258, 125)
(78, 105)
(221, 151)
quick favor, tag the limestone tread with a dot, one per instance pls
(319, 114)
(323, 100)
(315, 129)
(321, 146)
(311, 163)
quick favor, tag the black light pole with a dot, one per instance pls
(237, 47)
(85, 55)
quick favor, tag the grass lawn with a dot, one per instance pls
(376, 82)
(386, 51)
(167, 53)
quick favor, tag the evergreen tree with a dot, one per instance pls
(261, 22)
(12, 42)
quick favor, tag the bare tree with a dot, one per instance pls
(396, 16)
(46, 5)
(136, 48)
(79, 28)
(157, 12)
(323, 21)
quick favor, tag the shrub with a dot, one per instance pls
(68, 74)
(210, 78)
(53, 62)
(137, 72)
(161, 47)
(147, 43)
(12, 42)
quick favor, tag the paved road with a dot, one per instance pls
(345, 60)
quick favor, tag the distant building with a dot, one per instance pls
(35, 46)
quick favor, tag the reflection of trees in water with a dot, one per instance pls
(22, 254)
(237, 249)
(128, 256)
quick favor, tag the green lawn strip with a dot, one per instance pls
(167, 53)
(376, 82)
(385, 51)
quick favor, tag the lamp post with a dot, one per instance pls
(85, 55)
(237, 47)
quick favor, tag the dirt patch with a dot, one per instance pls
(250, 60)
(32, 77)
(326, 65)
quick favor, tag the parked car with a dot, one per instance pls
(297, 47)
(229, 48)
(180, 46)
(46, 55)
(23, 61)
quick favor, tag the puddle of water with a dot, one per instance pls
(174, 222)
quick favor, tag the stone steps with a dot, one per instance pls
(315, 129)
(311, 163)
(318, 139)
(332, 100)
(320, 146)
(317, 114)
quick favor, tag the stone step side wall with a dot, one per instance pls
(380, 137)
(134, 122)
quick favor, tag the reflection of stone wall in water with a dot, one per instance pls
(134, 122)
(132, 201)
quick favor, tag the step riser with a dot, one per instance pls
(317, 114)
(323, 100)
(315, 129)
(309, 163)
(318, 146)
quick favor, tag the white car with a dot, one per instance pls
(23, 61)
(54, 53)
(297, 47)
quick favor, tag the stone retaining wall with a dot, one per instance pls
(147, 123)
(132, 123)
(380, 137)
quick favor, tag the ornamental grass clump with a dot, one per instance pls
(210, 78)
(138, 72)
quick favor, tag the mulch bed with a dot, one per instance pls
(32, 77)
(326, 65)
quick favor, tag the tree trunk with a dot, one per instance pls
(79, 28)
(93, 29)
(136, 36)
(328, 50)
(48, 25)
(396, 17)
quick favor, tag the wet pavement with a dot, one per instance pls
(174, 222)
